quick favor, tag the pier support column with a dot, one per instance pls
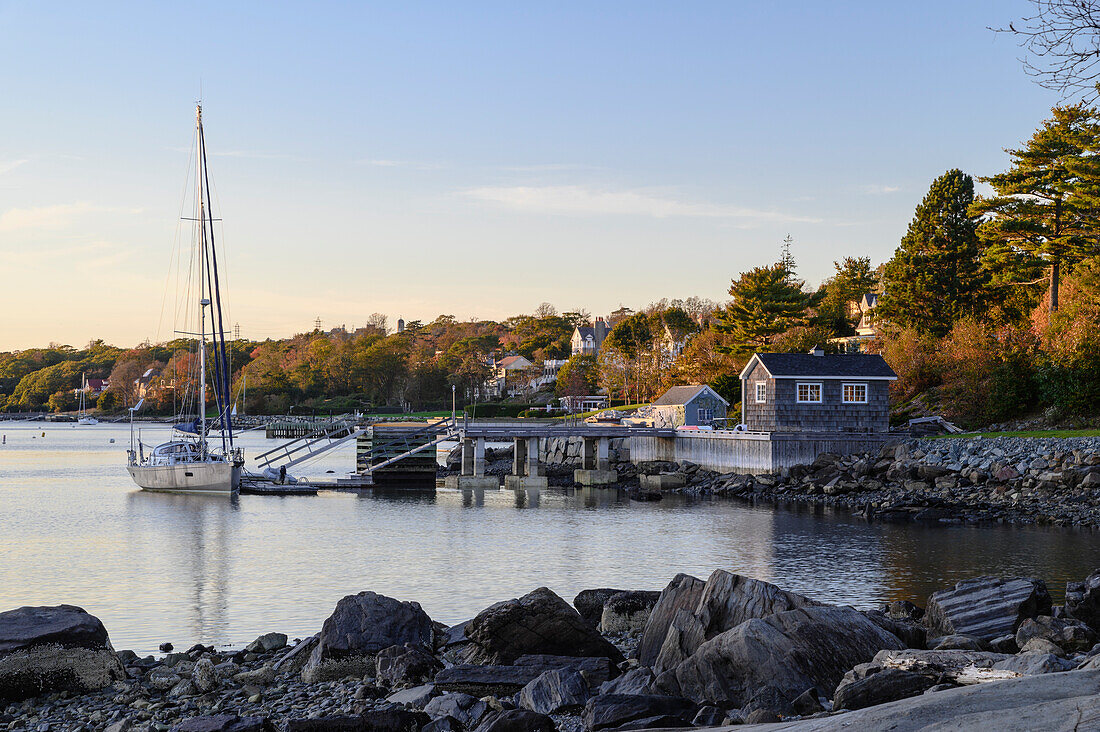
(519, 455)
(467, 456)
(479, 457)
(532, 450)
(603, 453)
(588, 453)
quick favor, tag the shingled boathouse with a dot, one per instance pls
(795, 406)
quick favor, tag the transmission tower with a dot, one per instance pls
(317, 323)
(786, 259)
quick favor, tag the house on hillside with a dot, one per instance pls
(95, 387)
(587, 340)
(508, 376)
(144, 382)
(688, 405)
(863, 312)
(815, 392)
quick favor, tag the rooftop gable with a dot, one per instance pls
(685, 394)
(828, 366)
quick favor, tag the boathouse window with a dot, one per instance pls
(761, 392)
(855, 393)
(809, 393)
(705, 415)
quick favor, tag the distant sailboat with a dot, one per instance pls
(195, 463)
(84, 417)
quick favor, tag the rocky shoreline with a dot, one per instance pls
(1008, 480)
(729, 650)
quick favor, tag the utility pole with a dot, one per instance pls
(236, 331)
(317, 323)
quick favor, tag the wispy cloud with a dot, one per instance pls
(585, 201)
(53, 217)
(547, 167)
(875, 189)
(7, 166)
(408, 164)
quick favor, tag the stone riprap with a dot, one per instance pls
(727, 650)
(1013, 480)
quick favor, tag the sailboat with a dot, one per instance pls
(83, 417)
(197, 462)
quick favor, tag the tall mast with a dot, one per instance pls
(203, 301)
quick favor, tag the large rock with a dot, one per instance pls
(589, 603)
(555, 692)
(682, 593)
(688, 614)
(986, 607)
(1049, 702)
(406, 665)
(628, 612)
(60, 648)
(1083, 600)
(360, 627)
(635, 681)
(615, 710)
(467, 709)
(879, 687)
(540, 622)
(516, 720)
(789, 652)
(1030, 664)
(1068, 634)
(595, 669)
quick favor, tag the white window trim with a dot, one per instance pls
(820, 392)
(853, 401)
(763, 400)
(699, 414)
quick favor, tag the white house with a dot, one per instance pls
(587, 340)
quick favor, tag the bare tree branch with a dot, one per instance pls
(1062, 44)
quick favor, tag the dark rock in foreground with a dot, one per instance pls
(880, 686)
(360, 627)
(516, 720)
(46, 649)
(615, 710)
(554, 692)
(379, 720)
(540, 622)
(224, 723)
(986, 607)
(787, 652)
(589, 603)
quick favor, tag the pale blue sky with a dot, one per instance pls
(476, 158)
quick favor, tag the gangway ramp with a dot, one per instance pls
(310, 445)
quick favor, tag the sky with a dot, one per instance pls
(478, 158)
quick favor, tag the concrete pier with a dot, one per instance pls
(595, 463)
(472, 482)
(526, 471)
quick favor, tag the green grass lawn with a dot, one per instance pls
(1023, 433)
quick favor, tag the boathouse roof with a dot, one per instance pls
(685, 395)
(823, 366)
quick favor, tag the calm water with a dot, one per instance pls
(189, 569)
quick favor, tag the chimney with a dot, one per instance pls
(817, 351)
(400, 325)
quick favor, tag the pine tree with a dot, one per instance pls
(766, 302)
(1044, 213)
(935, 276)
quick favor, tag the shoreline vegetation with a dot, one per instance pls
(727, 650)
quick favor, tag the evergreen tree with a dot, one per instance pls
(1044, 213)
(935, 276)
(766, 302)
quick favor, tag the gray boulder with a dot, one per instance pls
(595, 669)
(589, 603)
(516, 720)
(1030, 664)
(723, 602)
(986, 607)
(1083, 600)
(555, 692)
(635, 681)
(682, 593)
(376, 720)
(406, 665)
(957, 642)
(267, 643)
(1067, 633)
(884, 685)
(789, 651)
(468, 710)
(628, 612)
(416, 696)
(615, 710)
(540, 622)
(360, 627)
(59, 648)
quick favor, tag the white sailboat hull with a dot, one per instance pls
(87, 420)
(208, 477)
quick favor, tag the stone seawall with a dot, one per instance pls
(567, 450)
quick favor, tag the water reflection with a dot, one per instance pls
(209, 569)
